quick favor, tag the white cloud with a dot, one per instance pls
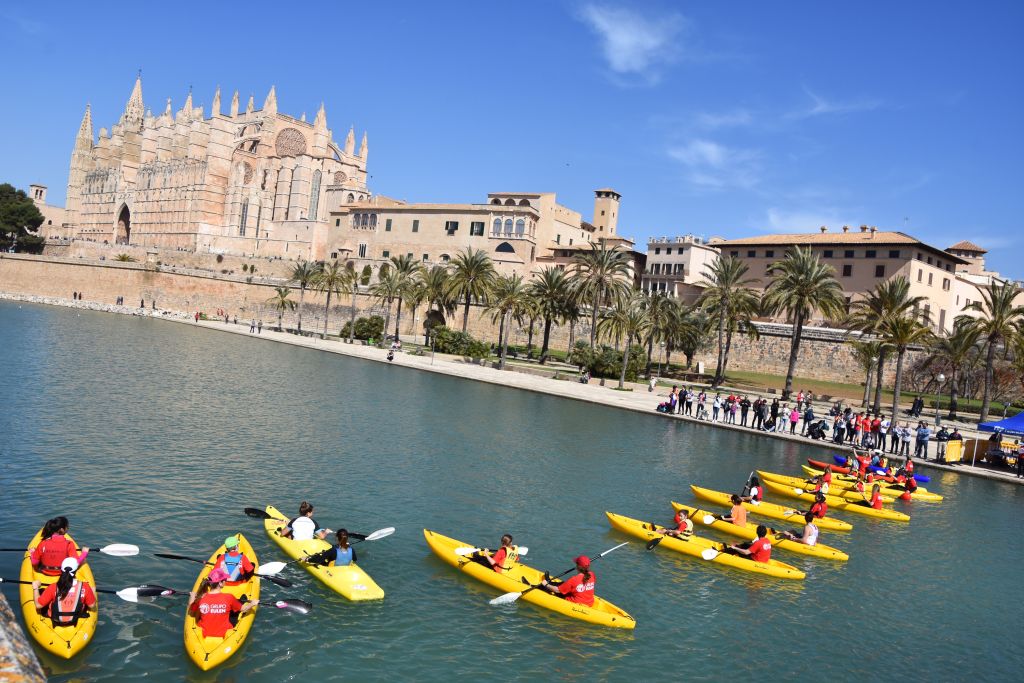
(713, 166)
(634, 45)
(729, 119)
(821, 106)
(802, 220)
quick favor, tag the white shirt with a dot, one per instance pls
(303, 528)
(810, 535)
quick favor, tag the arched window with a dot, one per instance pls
(524, 202)
(351, 197)
(508, 226)
(496, 201)
(497, 226)
(373, 221)
(314, 195)
(243, 217)
(445, 258)
(510, 202)
(520, 227)
(505, 248)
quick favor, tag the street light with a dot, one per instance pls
(938, 398)
(661, 353)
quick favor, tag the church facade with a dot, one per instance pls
(249, 181)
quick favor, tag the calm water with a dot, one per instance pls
(159, 434)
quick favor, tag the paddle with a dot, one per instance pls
(375, 536)
(274, 579)
(509, 598)
(462, 551)
(114, 550)
(153, 591)
(127, 594)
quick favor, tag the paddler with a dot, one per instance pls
(54, 548)
(214, 610)
(578, 589)
(67, 598)
(341, 554)
(754, 492)
(809, 535)
(233, 561)
(684, 526)
(759, 550)
(303, 527)
(876, 498)
(818, 508)
(502, 559)
(737, 514)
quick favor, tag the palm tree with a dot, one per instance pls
(690, 332)
(282, 303)
(660, 309)
(628, 319)
(508, 298)
(801, 284)
(435, 293)
(387, 288)
(304, 274)
(331, 280)
(728, 297)
(350, 286)
(406, 269)
(867, 353)
(1001, 317)
(472, 276)
(550, 290)
(901, 332)
(600, 276)
(884, 300)
(952, 351)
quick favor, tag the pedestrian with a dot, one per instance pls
(235, 319)
(259, 327)
(197, 316)
(941, 437)
(838, 429)
(252, 326)
(673, 396)
(689, 401)
(716, 407)
(142, 303)
(654, 383)
(1020, 458)
(794, 417)
(744, 409)
(905, 440)
(808, 420)
(923, 434)
(702, 408)
(154, 304)
(800, 401)
(734, 407)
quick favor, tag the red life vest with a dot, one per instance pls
(52, 552)
(64, 611)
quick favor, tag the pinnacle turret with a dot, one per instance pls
(84, 138)
(350, 141)
(134, 109)
(234, 104)
(270, 104)
(251, 106)
(320, 122)
(215, 109)
(363, 147)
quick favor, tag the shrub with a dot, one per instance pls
(605, 361)
(447, 340)
(477, 349)
(366, 328)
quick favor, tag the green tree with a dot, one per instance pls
(952, 351)
(801, 284)
(436, 294)
(350, 286)
(599, 277)
(728, 297)
(386, 289)
(281, 303)
(691, 331)
(304, 274)
(1001, 317)
(550, 292)
(19, 218)
(867, 353)
(661, 310)
(331, 280)
(125, 258)
(472, 276)
(628, 320)
(406, 270)
(507, 299)
(901, 332)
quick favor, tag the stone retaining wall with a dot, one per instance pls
(18, 663)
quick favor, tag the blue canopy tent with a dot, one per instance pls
(1013, 426)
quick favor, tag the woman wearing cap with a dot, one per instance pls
(341, 554)
(234, 563)
(578, 589)
(304, 527)
(67, 598)
(47, 557)
(213, 609)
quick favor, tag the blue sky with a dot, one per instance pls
(713, 118)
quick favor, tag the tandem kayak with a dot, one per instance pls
(749, 531)
(842, 467)
(62, 641)
(846, 481)
(695, 545)
(208, 653)
(602, 613)
(766, 509)
(841, 504)
(349, 581)
(833, 491)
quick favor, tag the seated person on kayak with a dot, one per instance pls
(737, 514)
(341, 555)
(809, 535)
(304, 527)
(502, 559)
(820, 482)
(216, 613)
(578, 589)
(876, 498)
(67, 598)
(55, 546)
(753, 491)
(759, 550)
(235, 564)
(684, 526)
(818, 508)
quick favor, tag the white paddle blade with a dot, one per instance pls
(787, 513)
(709, 553)
(381, 533)
(270, 568)
(708, 519)
(523, 550)
(120, 550)
(506, 599)
(461, 551)
(129, 594)
(798, 492)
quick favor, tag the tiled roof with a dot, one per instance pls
(967, 245)
(854, 236)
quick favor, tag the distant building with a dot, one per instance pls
(676, 266)
(53, 216)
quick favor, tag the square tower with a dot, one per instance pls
(606, 211)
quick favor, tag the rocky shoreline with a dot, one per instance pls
(94, 306)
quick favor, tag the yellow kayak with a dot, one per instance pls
(695, 545)
(349, 581)
(208, 653)
(841, 504)
(602, 613)
(766, 509)
(63, 641)
(845, 481)
(749, 532)
(797, 482)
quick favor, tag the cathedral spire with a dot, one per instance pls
(133, 110)
(167, 111)
(350, 141)
(270, 104)
(186, 108)
(249, 107)
(320, 122)
(215, 109)
(234, 105)
(363, 148)
(84, 138)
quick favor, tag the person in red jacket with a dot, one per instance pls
(55, 547)
(760, 550)
(819, 507)
(215, 611)
(578, 589)
(67, 598)
(876, 498)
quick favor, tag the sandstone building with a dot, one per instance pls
(677, 266)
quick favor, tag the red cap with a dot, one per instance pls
(582, 561)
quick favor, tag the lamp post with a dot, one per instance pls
(661, 354)
(938, 398)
